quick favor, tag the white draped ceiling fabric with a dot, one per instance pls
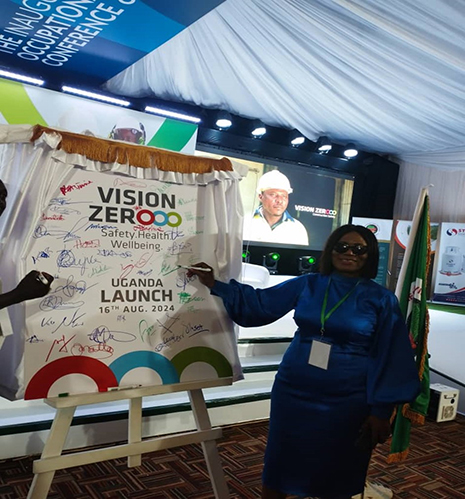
(387, 75)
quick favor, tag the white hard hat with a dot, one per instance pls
(274, 180)
(128, 122)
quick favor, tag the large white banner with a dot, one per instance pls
(122, 311)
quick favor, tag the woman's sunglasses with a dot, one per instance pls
(357, 249)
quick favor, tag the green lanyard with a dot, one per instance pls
(325, 316)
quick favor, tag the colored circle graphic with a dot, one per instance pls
(202, 354)
(43, 379)
(144, 358)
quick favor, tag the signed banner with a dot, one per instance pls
(122, 311)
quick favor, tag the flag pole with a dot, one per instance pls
(413, 230)
(411, 293)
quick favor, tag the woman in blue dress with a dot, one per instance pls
(349, 364)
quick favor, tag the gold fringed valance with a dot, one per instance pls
(112, 151)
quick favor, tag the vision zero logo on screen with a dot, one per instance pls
(317, 212)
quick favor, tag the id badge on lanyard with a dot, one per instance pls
(320, 349)
(319, 354)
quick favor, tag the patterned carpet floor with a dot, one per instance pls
(435, 469)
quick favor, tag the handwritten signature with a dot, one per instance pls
(121, 254)
(174, 233)
(166, 268)
(61, 205)
(182, 280)
(71, 322)
(93, 243)
(129, 182)
(141, 263)
(188, 298)
(66, 259)
(193, 329)
(67, 235)
(34, 339)
(70, 288)
(42, 254)
(101, 269)
(102, 334)
(179, 248)
(62, 343)
(146, 331)
(77, 186)
(53, 302)
(99, 350)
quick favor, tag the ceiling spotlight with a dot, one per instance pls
(258, 129)
(223, 120)
(171, 114)
(19, 77)
(323, 145)
(296, 138)
(92, 95)
(350, 151)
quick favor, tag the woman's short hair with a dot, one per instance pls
(370, 269)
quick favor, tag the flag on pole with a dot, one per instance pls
(411, 293)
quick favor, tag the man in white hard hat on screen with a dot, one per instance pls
(129, 129)
(271, 222)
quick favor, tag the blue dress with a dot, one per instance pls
(316, 414)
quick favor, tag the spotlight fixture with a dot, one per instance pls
(306, 264)
(350, 151)
(296, 138)
(19, 77)
(171, 114)
(223, 120)
(92, 95)
(258, 129)
(270, 261)
(323, 145)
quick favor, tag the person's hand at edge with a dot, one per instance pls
(32, 286)
(206, 277)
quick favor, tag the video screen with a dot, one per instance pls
(292, 206)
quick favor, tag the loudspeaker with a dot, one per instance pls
(375, 188)
(443, 402)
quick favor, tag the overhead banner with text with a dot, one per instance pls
(97, 38)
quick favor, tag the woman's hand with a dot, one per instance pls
(374, 431)
(206, 277)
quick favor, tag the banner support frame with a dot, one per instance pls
(52, 459)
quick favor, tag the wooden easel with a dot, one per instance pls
(52, 460)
